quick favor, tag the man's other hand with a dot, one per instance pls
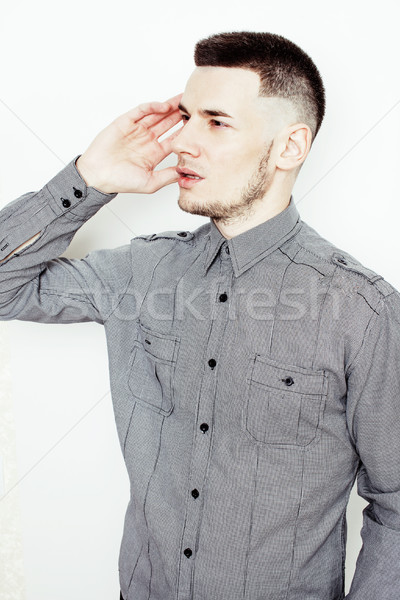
(123, 157)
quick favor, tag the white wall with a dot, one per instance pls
(67, 70)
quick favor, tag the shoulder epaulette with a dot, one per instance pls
(348, 263)
(182, 236)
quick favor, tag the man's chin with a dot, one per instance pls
(194, 207)
(216, 211)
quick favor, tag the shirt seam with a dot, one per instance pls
(351, 272)
(369, 328)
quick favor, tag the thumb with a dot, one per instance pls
(161, 178)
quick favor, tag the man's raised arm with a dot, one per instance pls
(38, 227)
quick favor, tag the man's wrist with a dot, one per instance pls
(88, 176)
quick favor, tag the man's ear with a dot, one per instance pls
(296, 143)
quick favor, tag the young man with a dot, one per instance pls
(253, 365)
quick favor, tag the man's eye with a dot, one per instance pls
(218, 123)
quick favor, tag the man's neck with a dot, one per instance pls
(264, 211)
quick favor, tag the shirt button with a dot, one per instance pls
(288, 381)
(182, 234)
(195, 494)
(227, 249)
(342, 260)
(204, 427)
(223, 298)
(212, 362)
(188, 553)
(65, 202)
(77, 193)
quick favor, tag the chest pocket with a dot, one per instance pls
(284, 404)
(152, 367)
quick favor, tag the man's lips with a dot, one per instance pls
(187, 177)
(183, 172)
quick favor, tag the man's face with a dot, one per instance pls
(226, 141)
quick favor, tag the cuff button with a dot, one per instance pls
(65, 202)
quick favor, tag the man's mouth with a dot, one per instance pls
(183, 172)
(186, 176)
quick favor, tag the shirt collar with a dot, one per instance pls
(251, 246)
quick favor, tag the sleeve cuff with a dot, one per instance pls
(72, 197)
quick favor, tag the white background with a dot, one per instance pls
(67, 70)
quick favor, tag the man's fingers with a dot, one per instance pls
(174, 102)
(161, 178)
(148, 108)
(163, 149)
(148, 114)
(166, 145)
(157, 110)
(149, 121)
(166, 123)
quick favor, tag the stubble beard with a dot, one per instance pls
(236, 210)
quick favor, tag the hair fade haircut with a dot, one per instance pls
(285, 70)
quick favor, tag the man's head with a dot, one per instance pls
(251, 110)
(285, 70)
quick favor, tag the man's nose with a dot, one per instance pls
(186, 142)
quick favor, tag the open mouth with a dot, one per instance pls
(187, 173)
(187, 177)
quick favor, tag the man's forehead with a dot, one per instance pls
(228, 89)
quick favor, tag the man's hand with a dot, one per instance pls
(123, 157)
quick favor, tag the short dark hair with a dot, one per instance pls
(285, 69)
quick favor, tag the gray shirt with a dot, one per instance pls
(253, 379)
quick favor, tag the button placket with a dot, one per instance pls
(204, 429)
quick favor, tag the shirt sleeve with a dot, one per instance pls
(35, 285)
(373, 402)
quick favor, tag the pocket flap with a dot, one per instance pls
(161, 346)
(287, 378)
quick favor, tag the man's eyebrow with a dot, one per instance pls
(207, 112)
